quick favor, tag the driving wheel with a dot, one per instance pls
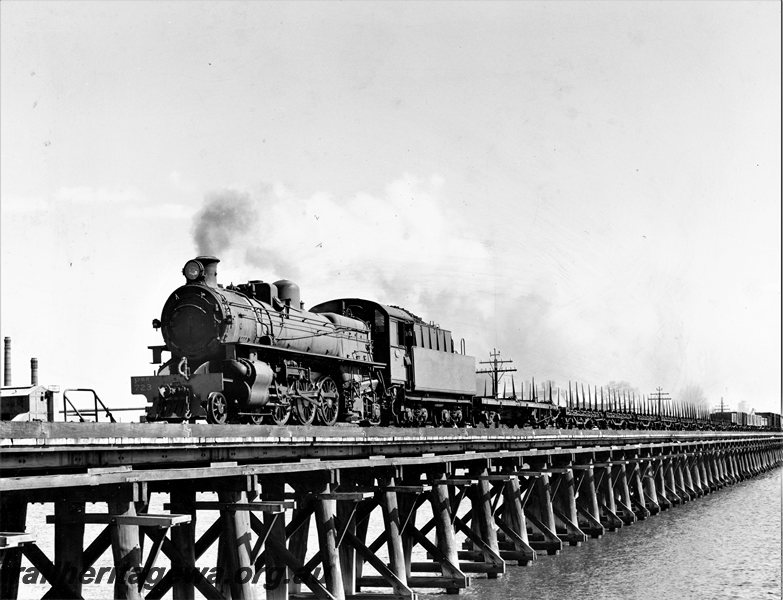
(304, 405)
(329, 401)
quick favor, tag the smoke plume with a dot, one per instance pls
(227, 215)
(537, 298)
(692, 394)
(231, 224)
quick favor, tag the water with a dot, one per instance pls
(725, 545)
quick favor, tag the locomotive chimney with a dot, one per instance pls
(202, 269)
(7, 372)
(210, 269)
(33, 371)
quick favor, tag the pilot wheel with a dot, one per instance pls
(217, 408)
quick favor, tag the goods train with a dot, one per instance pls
(251, 353)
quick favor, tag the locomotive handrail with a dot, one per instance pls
(96, 402)
(292, 351)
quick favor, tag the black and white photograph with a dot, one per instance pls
(385, 300)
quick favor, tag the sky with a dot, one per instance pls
(592, 188)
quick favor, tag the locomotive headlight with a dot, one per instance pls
(192, 270)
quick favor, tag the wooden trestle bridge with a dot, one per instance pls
(492, 497)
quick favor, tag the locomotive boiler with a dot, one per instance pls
(251, 353)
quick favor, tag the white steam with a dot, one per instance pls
(534, 297)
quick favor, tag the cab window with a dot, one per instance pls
(380, 322)
(396, 332)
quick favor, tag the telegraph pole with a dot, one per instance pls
(660, 395)
(496, 370)
(722, 408)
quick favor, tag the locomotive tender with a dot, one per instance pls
(251, 353)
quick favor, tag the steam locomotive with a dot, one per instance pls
(251, 353)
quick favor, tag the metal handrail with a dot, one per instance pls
(113, 410)
(75, 410)
(96, 402)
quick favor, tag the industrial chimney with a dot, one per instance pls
(33, 371)
(7, 372)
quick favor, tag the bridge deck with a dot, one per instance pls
(48, 455)
(13, 434)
